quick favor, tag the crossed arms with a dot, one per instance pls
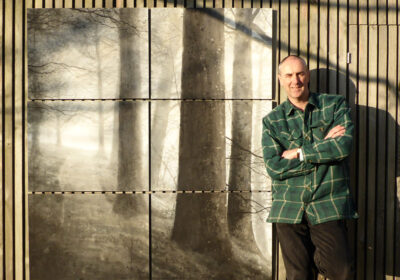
(282, 164)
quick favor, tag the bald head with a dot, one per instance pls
(289, 59)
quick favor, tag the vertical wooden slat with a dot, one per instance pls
(58, 3)
(363, 11)
(392, 12)
(208, 4)
(38, 4)
(97, 4)
(28, 4)
(228, 4)
(2, 189)
(353, 11)
(382, 16)
(323, 45)
(303, 28)
(18, 140)
(397, 192)
(284, 39)
(257, 3)
(371, 150)
(293, 9)
(129, 4)
(313, 54)
(8, 142)
(352, 97)
(68, 3)
(332, 42)
(391, 152)
(275, 6)
(219, 4)
(381, 186)
(372, 11)
(342, 53)
(109, 4)
(362, 150)
(81, 4)
(26, 213)
(48, 4)
(246, 3)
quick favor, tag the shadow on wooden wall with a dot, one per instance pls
(374, 175)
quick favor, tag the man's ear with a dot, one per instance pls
(308, 75)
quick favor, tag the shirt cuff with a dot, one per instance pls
(300, 153)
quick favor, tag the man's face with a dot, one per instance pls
(294, 77)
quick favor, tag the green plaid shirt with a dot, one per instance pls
(319, 185)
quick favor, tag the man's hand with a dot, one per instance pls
(337, 131)
(290, 154)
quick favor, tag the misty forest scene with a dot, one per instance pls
(144, 143)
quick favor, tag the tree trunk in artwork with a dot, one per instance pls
(130, 139)
(200, 222)
(99, 70)
(239, 204)
(158, 134)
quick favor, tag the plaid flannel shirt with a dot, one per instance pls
(318, 185)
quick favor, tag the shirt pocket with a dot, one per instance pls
(291, 139)
(321, 128)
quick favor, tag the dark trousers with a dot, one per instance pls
(323, 246)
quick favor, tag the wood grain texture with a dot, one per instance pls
(372, 148)
(284, 39)
(381, 185)
(8, 142)
(391, 151)
(294, 27)
(362, 150)
(19, 103)
(2, 185)
(332, 46)
(303, 30)
(323, 46)
(382, 11)
(392, 12)
(313, 43)
(363, 15)
(397, 192)
(353, 11)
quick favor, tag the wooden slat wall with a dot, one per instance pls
(323, 32)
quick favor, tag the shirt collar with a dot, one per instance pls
(312, 100)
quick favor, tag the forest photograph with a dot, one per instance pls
(144, 143)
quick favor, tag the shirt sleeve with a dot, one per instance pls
(332, 149)
(279, 168)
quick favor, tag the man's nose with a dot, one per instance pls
(295, 79)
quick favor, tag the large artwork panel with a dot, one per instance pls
(144, 143)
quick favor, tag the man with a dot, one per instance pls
(306, 141)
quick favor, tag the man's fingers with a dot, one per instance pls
(336, 132)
